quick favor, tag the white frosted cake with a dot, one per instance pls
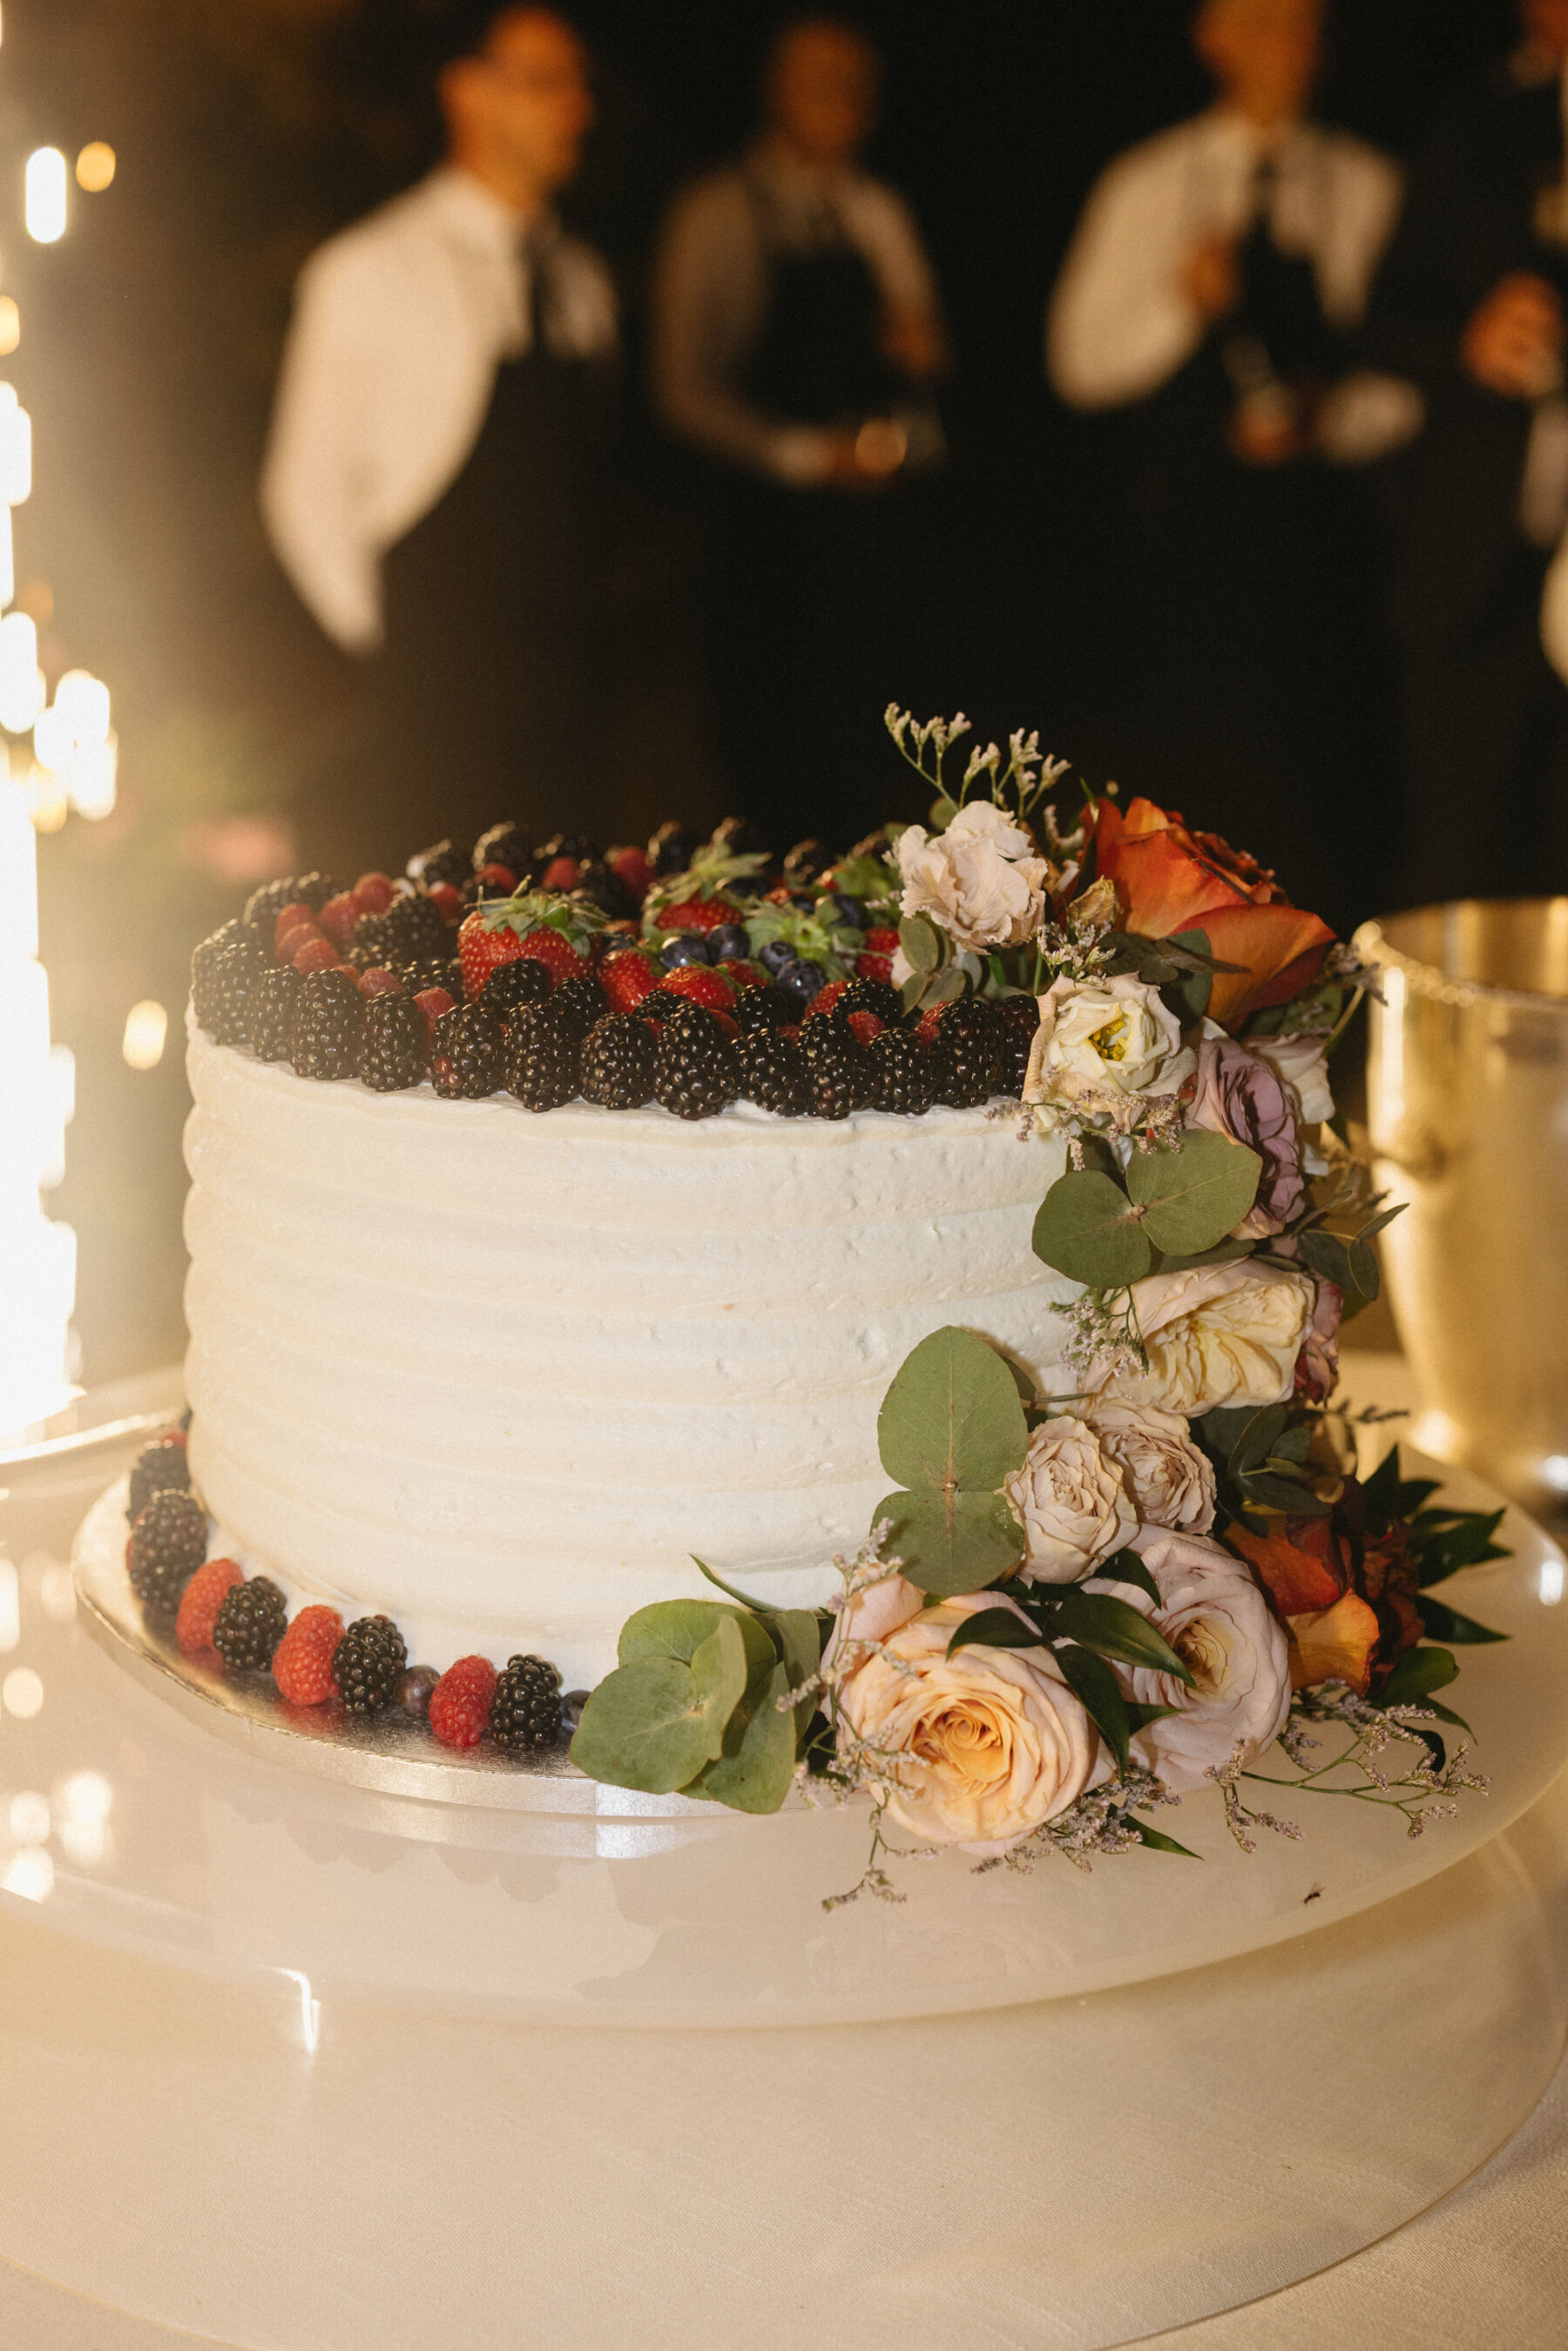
(501, 1375)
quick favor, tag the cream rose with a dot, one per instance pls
(1100, 1044)
(1303, 1063)
(1167, 1480)
(977, 1750)
(1220, 1624)
(1071, 1498)
(1217, 1334)
(982, 879)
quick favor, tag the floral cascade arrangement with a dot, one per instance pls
(1072, 1610)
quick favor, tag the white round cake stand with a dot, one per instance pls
(243, 2101)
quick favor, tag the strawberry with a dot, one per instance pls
(697, 914)
(504, 929)
(432, 1002)
(481, 950)
(633, 869)
(380, 981)
(498, 877)
(302, 1663)
(825, 999)
(200, 1603)
(560, 875)
(460, 1702)
(373, 893)
(447, 899)
(555, 951)
(743, 975)
(338, 918)
(313, 953)
(627, 978)
(864, 1026)
(702, 984)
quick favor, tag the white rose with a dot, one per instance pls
(1303, 1063)
(1072, 1502)
(1217, 1334)
(1169, 1479)
(981, 880)
(1101, 1043)
(977, 1750)
(1220, 1626)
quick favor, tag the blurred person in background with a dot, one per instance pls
(439, 447)
(1212, 294)
(1471, 303)
(797, 340)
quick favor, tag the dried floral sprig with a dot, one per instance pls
(1099, 1823)
(1421, 1788)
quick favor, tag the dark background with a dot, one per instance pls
(247, 130)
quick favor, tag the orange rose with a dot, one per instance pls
(1349, 1606)
(1302, 1565)
(1168, 879)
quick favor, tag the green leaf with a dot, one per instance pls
(1417, 1675)
(922, 947)
(1444, 1624)
(754, 1773)
(1446, 1714)
(953, 1416)
(952, 1544)
(1188, 997)
(1157, 1842)
(1270, 1492)
(1102, 1700)
(1196, 1196)
(1096, 1621)
(995, 1628)
(1327, 1256)
(800, 1639)
(1466, 1542)
(1088, 1229)
(1225, 1252)
(677, 1628)
(943, 811)
(1257, 1439)
(1126, 1567)
(1140, 1714)
(757, 1607)
(1364, 1274)
(652, 1724)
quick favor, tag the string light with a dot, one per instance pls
(95, 167)
(44, 185)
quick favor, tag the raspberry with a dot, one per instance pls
(203, 1596)
(297, 918)
(432, 1002)
(338, 918)
(633, 869)
(317, 954)
(825, 999)
(380, 981)
(373, 893)
(302, 1668)
(701, 984)
(864, 1026)
(561, 874)
(460, 1702)
(875, 958)
(447, 899)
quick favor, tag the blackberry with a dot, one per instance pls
(967, 1063)
(203, 956)
(697, 1071)
(429, 971)
(672, 848)
(329, 1016)
(504, 844)
(740, 837)
(524, 981)
(1018, 1022)
(580, 1000)
(540, 1062)
(464, 1052)
(168, 1543)
(902, 1077)
(575, 845)
(758, 1012)
(416, 928)
(394, 1046)
(251, 1620)
(837, 1076)
(525, 1713)
(368, 1662)
(444, 861)
(372, 943)
(273, 998)
(617, 1065)
(262, 907)
(875, 996)
(602, 887)
(220, 989)
(162, 1467)
(773, 1073)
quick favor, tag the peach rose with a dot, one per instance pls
(1169, 1479)
(977, 1750)
(1217, 1334)
(1071, 1500)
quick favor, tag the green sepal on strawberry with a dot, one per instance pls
(874, 881)
(699, 899)
(556, 930)
(814, 937)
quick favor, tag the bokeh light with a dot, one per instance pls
(22, 1693)
(146, 1034)
(10, 325)
(46, 184)
(95, 167)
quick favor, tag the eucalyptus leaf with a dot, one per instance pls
(1088, 1229)
(1096, 1621)
(1365, 1273)
(1444, 1624)
(676, 1628)
(922, 947)
(757, 1607)
(1157, 1842)
(654, 1723)
(945, 986)
(995, 1628)
(1096, 1687)
(1256, 1439)
(1188, 996)
(1417, 1675)
(800, 1639)
(1325, 1255)
(953, 1416)
(943, 811)
(1228, 1251)
(952, 1544)
(1195, 1196)
(754, 1772)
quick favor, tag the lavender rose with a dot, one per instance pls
(1245, 1099)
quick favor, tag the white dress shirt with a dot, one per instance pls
(1121, 323)
(398, 326)
(711, 297)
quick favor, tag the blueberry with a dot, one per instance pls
(729, 941)
(686, 947)
(802, 979)
(803, 902)
(571, 1706)
(850, 910)
(775, 956)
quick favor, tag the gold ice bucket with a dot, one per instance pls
(1468, 1107)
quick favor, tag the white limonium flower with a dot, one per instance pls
(1071, 1500)
(1103, 1046)
(983, 881)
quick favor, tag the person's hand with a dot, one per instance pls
(1211, 280)
(1513, 344)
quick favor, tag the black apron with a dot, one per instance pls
(490, 674)
(815, 619)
